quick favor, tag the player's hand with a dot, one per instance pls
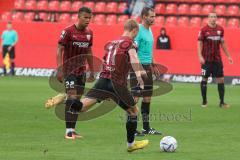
(230, 60)
(9, 48)
(91, 78)
(140, 82)
(155, 70)
(144, 74)
(202, 60)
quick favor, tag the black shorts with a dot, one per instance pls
(148, 83)
(214, 69)
(75, 82)
(11, 52)
(105, 88)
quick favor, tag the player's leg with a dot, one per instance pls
(4, 52)
(218, 73)
(206, 71)
(126, 102)
(12, 63)
(79, 86)
(74, 89)
(136, 92)
(146, 102)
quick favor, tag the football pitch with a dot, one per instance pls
(30, 132)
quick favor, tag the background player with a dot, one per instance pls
(73, 46)
(145, 42)
(211, 37)
(9, 39)
(119, 56)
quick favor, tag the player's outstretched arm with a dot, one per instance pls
(200, 46)
(137, 68)
(225, 50)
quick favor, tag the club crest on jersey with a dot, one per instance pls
(219, 32)
(88, 37)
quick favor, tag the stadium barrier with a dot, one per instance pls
(38, 44)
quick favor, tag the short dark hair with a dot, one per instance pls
(9, 22)
(145, 11)
(84, 9)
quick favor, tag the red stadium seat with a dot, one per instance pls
(65, 6)
(160, 8)
(111, 19)
(7, 16)
(195, 9)
(171, 21)
(207, 9)
(171, 8)
(90, 5)
(159, 20)
(29, 16)
(99, 19)
(220, 9)
(233, 10)
(65, 18)
(19, 4)
(18, 16)
(222, 22)
(100, 7)
(76, 5)
(183, 9)
(53, 5)
(42, 5)
(112, 7)
(43, 16)
(74, 17)
(183, 21)
(31, 5)
(233, 23)
(195, 22)
(121, 7)
(204, 21)
(122, 19)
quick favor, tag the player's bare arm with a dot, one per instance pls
(200, 46)
(60, 52)
(90, 64)
(226, 52)
(137, 68)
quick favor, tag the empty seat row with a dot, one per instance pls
(66, 5)
(101, 19)
(196, 9)
(203, 1)
(195, 21)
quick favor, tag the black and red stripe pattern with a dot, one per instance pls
(76, 45)
(211, 38)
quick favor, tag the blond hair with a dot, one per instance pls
(130, 24)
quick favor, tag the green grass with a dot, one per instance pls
(30, 132)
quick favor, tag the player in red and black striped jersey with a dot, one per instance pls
(74, 49)
(210, 39)
(120, 56)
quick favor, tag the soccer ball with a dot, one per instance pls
(168, 144)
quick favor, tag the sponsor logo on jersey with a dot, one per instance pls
(214, 38)
(81, 44)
